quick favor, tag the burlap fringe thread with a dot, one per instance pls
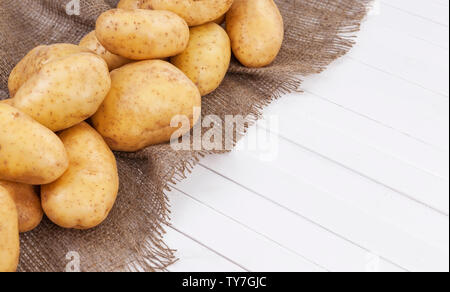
(317, 33)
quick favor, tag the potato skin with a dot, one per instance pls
(207, 57)
(6, 101)
(129, 4)
(28, 204)
(29, 152)
(65, 91)
(35, 60)
(144, 98)
(142, 34)
(256, 31)
(195, 12)
(9, 233)
(114, 61)
(220, 20)
(83, 197)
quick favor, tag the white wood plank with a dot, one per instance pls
(391, 101)
(194, 257)
(402, 22)
(275, 222)
(430, 10)
(350, 124)
(364, 132)
(444, 3)
(341, 201)
(409, 58)
(250, 250)
(324, 138)
(384, 105)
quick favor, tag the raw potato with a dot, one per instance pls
(142, 34)
(207, 57)
(144, 98)
(83, 197)
(65, 91)
(27, 202)
(195, 12)
(129, 4)
(6, 101)
(9, 233)
(220, 20)
(114, 61)
(29, 152)
(256, 31)
(35, 60)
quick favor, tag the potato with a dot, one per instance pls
(35, 59)
(65, 91)
(6, 101)
(142, 34)
(195, 12)
(27, 202)
(256, 31)
(9, 233)
(114, 61)
(129, 4)
(83, 197)
(144, 98)
(220, 20)
(207, 57)
(29, 152)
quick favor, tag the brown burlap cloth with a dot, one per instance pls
(317, 32)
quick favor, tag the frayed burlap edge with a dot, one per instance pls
(317, 33)
(288, 81)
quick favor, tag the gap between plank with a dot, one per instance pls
(397, 76)
(361, 174)
(251, 229)
(208, 248)
(301, 216)
(394, 28)
(377, 121)
(413, 14)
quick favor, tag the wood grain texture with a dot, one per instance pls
(361, 174)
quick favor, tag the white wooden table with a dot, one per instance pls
(359, 176)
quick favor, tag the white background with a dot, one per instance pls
(361, 176)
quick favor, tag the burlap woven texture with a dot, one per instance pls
(317, 32)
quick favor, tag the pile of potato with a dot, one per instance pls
(146, 62)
